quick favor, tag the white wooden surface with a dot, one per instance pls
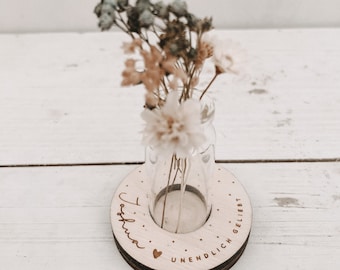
(61, 103)
(61, 100)
(58, 217)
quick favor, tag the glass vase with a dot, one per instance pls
(179, 197)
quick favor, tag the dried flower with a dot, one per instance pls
(106, 13)
(205, 51)
(176, 59)
(146, 18)
(174, 128)
(142, 5)
(153, 74)
(130, 47)
(132, 14)
(173, 45)
(123, 4)
(179, 8)
(228, 57)
(192, 21)
(130, 75)
(161, 10)
(151, 101)
(205, 25)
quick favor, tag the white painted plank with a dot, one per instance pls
(61, 100)
(58, 217)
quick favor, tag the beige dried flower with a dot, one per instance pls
(205, 51)
(153, 74)
(151, 101)
(129, 74)
(130, 47)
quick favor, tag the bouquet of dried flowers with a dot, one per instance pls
(172, 44)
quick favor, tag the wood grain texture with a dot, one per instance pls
(59, 217)
(61, 100)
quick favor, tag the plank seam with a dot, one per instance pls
(231, 161)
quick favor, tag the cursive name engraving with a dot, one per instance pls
(125, 220)
(126, 201)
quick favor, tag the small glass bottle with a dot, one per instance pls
(179, 198)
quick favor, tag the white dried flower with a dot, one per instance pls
(229, 57)
(175, 128)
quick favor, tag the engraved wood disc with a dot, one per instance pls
(218, 244)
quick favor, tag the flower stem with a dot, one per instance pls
(206, 89)
(167, 191)
(126, 29)
(183, 188)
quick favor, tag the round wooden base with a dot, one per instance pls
(217, 245)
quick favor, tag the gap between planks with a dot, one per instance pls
(247, 161)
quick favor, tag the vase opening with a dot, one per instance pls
(192, 214)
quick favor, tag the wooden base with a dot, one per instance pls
(217, 245)
(138, 266)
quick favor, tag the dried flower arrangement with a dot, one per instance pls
(173, 45)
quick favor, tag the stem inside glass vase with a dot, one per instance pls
(182, 204)
(178, 165)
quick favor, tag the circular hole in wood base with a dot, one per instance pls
(218, 244)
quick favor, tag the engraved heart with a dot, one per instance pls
(156, 253)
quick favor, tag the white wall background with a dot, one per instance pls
(77, 15)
